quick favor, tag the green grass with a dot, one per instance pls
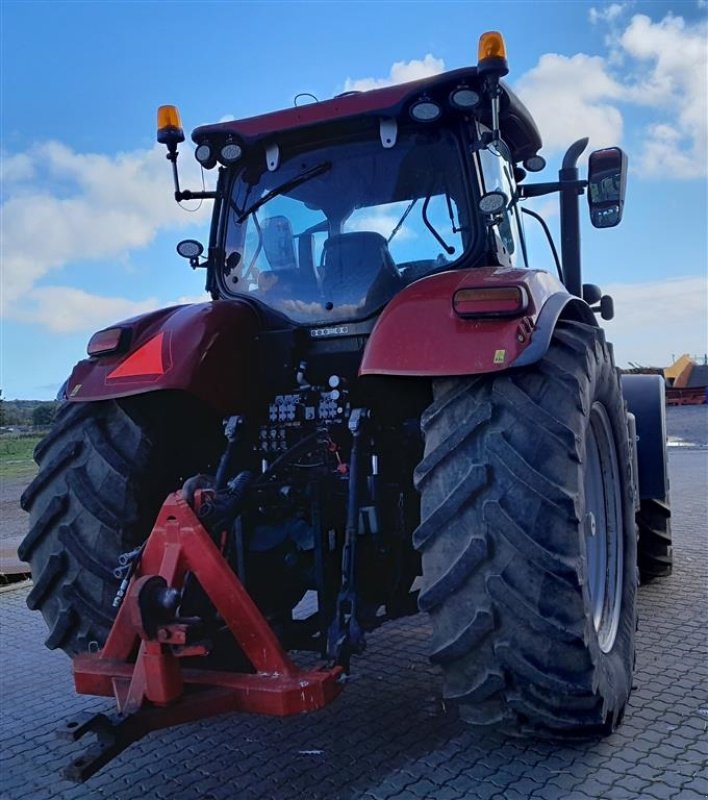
(16, 456)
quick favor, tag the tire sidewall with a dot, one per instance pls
(614, 668)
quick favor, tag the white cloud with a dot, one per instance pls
(65, 207)
(672, 78)
(657, 321)
(63, 309)
(606, 14)
(383, 221)
(660, 66)
(19, 167)
(570, 98)
(401, 72)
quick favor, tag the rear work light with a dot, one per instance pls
(112, 340)
(497, 301)
(230, 153)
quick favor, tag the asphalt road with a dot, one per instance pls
(387, 736)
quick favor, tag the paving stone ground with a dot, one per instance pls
(387, 737)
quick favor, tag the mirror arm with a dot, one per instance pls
(172, 158)
(185, 194)
(188, 195)
(538, 189)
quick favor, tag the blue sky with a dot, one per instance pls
(88, 221)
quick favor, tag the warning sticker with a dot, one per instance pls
(499, 356)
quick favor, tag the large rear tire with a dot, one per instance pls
(528, 541)
(655, 550)
(104, 470)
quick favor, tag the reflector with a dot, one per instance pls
(147, 360)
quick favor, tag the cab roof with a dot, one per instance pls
(518, 129)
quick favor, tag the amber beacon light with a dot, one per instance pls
(491, 54)
(169, 127)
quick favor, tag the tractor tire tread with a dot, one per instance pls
(655, 540)
(104, 470)
(507, 598)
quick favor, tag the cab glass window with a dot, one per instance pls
(334, 233)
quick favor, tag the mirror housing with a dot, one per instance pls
(607, 183)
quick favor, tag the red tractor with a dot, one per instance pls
(383, 409)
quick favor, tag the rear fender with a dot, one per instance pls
(204, 349)
(645, 400)
(419, 333)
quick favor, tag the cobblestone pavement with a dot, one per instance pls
(387, 735)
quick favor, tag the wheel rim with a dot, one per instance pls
(603, 529)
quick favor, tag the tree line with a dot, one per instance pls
(27, 413)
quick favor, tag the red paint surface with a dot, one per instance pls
(419, 333)
(379, 101)
(205, 349)
(178, 544)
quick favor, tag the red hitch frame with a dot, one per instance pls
(142, 670)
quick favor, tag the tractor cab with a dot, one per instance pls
(325, 211)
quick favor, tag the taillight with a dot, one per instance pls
(112, 340)
(497, 301)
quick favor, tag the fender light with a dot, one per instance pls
(112, 340)
(497, 301)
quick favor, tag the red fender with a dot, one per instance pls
(419, 333)
(205, 349)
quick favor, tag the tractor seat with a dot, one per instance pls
(358, 270)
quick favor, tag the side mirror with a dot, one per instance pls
(607, 183)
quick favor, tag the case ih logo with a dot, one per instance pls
(340, 330)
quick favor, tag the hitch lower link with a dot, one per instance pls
(140, 664)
